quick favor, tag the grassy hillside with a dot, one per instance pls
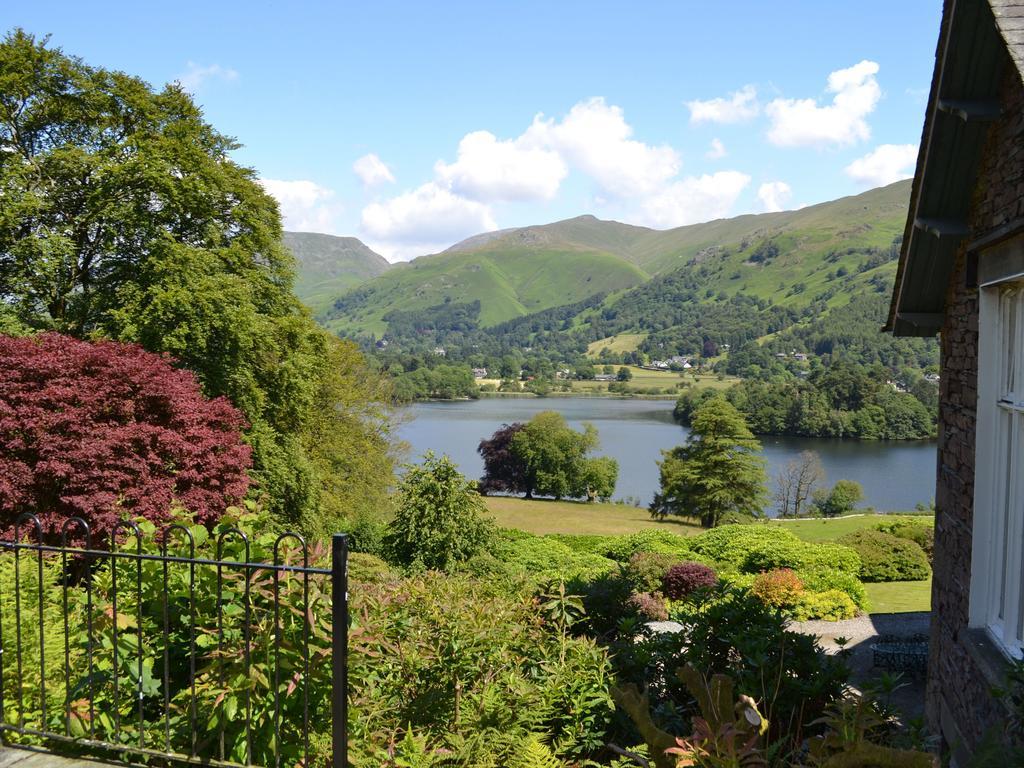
(827, 254)
(509, 281)
(329, 266)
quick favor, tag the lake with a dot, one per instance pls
(895, 475)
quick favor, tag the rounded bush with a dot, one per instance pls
(922, 534)
(830, 605)
(825, 579)
(624, 547)
(646, 570)
(779, 588)
(885, 557)
(683, 579)
(649, 605)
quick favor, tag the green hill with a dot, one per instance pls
(824, 255)
(509, 279)
(329, 266)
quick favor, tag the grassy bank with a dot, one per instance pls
(899, 596)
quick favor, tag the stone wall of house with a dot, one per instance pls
(958, 696)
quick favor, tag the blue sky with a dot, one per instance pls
(413, 125)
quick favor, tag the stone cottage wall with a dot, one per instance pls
(959, 702)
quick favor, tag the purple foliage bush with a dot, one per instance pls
(683, 579)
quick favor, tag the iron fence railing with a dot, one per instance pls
(154, 667)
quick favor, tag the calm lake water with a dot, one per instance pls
(895, 475)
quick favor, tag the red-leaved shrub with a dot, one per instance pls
(104, 431)
(682, 579)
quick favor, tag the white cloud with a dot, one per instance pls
(693, 199)
(741, 105)
(196, 76)
(490, 170)
(428, 218)
(802, 122)
(372, 171)
(717, 150)
(595, 138)
(305, 205)
(774, 195)
(884, 165)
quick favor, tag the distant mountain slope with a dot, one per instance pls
(831, 253)
(508, 280)
(329, 266)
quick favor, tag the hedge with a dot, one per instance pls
(885, 557)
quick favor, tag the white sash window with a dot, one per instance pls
(997, 572)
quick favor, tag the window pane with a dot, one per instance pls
(1006, 424)
(1009, 301)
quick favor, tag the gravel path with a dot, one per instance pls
(861, 633)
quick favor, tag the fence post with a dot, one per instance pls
(339, 647)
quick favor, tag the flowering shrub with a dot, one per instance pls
(103, 431)
(683, 579)
(780, 588)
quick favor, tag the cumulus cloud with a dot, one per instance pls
(196, 76)
(488, 169)
(595, 138)
(803, 122)
(425, 219)
(694, 199)
(717, 150)
(774, 195)
(372, 171)
(305, 205)
(739, 106)
(884, 165)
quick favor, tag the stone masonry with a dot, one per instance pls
(958, 692)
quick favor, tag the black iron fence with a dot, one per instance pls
(149, 650)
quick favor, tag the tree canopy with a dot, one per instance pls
(717, 472)
(99, 430)
(125, 217)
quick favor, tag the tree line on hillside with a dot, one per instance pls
(841, 400)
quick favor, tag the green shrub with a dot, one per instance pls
(622, 548)
(363, 568)
(645, 570)
(757, 548)
(921, 533)
(546, 560)
(825, 579)
(439, 518)
(830, 605)
(885, 557)
(779, 588)
(590, 544)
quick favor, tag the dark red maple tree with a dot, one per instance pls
(107, 431)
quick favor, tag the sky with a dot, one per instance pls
(414, 125)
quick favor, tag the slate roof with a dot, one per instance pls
(974, 40)
(1009, 16)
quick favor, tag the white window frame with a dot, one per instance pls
(997, 558)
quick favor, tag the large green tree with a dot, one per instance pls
(122, 215)
(718, 471)
(553, 459)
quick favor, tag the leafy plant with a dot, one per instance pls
(885, 557)
(779, 588)
(684, 579)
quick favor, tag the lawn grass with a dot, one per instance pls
(899, 596)
(542, 516)
(624, 342)
(832, 529)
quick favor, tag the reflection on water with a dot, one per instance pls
(895, 475)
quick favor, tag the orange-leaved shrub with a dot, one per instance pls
(778, 588)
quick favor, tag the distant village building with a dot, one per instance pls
(479, 373)
(440, 351)
(961, 273)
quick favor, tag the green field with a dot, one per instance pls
(832, 529)
(624, 342)
(899, 596)
(545, 516)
